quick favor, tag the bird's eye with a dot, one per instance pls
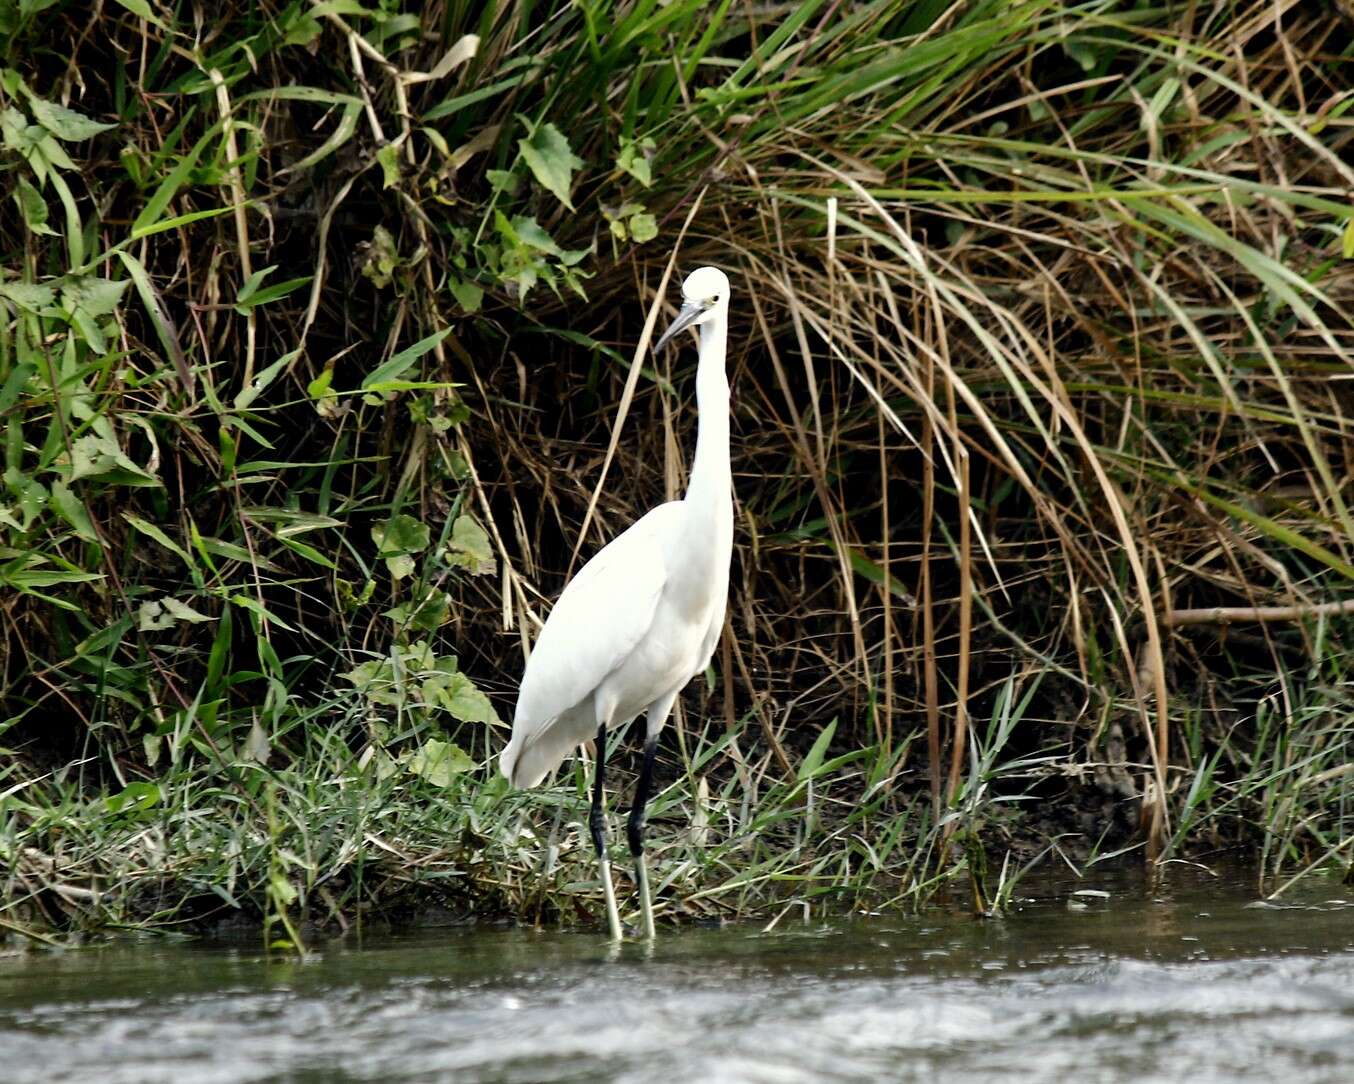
(713, 299)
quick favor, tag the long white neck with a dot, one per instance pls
(711, 484)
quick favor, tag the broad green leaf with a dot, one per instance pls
(427, 615)
(98, 456)
(643, 227)
(468, 547)
(400, 534)
(93, 295)
(31, 493)
(65, 123)
(376, 681)
(502, 180)
(469, 296)
(397, 540)
(528, 231)
(29, 295)
(464, 702)
(14, 385)
(440, 762)
(546, 151)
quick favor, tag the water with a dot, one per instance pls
(1192, 982)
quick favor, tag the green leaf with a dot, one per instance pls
(468, 547)
(502, 180)
(33, 208)
(439, 762)
(529, 232)
(141, 10)
(403, 360)
(464, 702)
(1347, 240)
(397, 539)
(634, 159)
(73, 511)
(65, 123)
(164, 325)
(389, 159)
(134, 798)
(29, 295)
(547, 152)
(254, 606)
(430, 613)
(643, 227)
(343, 132)
(302, 29)
(400, 534)
(151, 531)
(809, 768)
(181, 611)
(92, 295)
(469, 296)
(14, 385)
(382, 257)
(376, 681)
(169, 187)
(257, 297)
(98, 456)
(261, 382)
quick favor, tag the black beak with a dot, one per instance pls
(691, 311)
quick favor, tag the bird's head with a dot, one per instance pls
(705, 297)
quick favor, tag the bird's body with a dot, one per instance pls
(638, 649)
(643, 616)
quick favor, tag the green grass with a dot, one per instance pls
(312, 328)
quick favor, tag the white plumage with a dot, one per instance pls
(643, 616)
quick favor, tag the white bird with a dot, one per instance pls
(641, 618)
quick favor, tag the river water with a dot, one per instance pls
(1191, 980)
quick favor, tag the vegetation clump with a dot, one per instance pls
(313, 319)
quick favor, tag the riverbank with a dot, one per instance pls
(316, 329)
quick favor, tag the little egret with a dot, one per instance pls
(642, 617)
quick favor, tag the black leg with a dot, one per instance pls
(596, 819)
(634, 828)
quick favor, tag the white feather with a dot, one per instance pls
(603, 614)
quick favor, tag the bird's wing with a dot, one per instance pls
(602, 615)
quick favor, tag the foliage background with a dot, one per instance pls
(316, 316)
